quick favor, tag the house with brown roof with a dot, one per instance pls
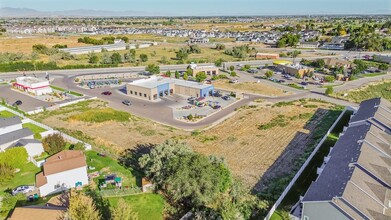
(64, 170)
(354, 181)
(34, 213)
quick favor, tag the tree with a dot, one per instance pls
(383, 66)
(168, 73)
(93, 58)
(218, 62)
(294, 54)
(185, 76)
(116, 58)
(233, 74)
(329, 79)
(106, 59)
(53, 143)
(182, 54)
(82, 207)
(154, 163)
(200, 76)
(6, 171)
(40, 48)
(220, 46)
(231, 68)
(132, 55)
(329, 90)
(269, 73)
(123, 211)
(177, 75)
(143, 57)
(153, 68)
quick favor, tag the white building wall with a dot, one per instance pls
(42, 91)
(34, 149)
(67, 179)
(9, 129)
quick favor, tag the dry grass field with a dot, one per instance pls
(250, 87)
(253, 153)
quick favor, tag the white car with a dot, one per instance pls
(22, 189)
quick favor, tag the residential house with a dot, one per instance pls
(354, 181)
(64, 170)
(32, 146)
(11, 131)
(37, 212)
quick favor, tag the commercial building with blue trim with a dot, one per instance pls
(156, 87)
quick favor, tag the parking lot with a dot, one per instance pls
(201, 107)
(28, 103)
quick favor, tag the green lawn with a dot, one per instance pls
(6, 114)
(63, 90)
(26, 176)
(108, 165)
(34, 128)
(372, 74)
(148, 206)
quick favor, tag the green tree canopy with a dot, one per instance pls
(153, 68)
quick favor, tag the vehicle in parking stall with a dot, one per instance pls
(226, 97)
(23, 189)
(216, 93)
(252, 71)
(146, 73)
(126, 102)
(106, 93)
(18, 102)
(304, 83)
(233, 81)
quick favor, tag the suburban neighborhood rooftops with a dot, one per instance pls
(63, 161)
(366, 111)
(33, 213)
(5, 122)
(15, 135)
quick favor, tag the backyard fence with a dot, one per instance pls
(279, 200)
(121, 192)
(27, 120)
(2, 108)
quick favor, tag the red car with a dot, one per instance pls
(106, 93)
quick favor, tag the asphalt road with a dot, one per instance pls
(28, 103)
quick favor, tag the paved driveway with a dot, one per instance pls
(29, 103)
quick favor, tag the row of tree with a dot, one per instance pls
(102, 41)
(183, 53)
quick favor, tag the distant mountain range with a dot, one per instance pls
(27, 12)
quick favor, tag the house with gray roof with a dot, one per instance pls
(354, 182)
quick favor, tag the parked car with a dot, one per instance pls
(281, 81)
(18, 102)
(304, 83)
(22, 189)
(106, 93)
(233, 81)
(252, 71)
(126, 102)
(226, 97)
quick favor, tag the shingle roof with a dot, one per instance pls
(15, 135)
(33, 213)
(63, 161)
(357, 177)
(24, 142)
(5, 122)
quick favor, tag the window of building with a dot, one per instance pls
(131, 92)
(145, 95)
(135, 93)
(141, 94)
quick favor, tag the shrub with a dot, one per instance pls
(53, 143)
(329, 90)
(329, 79)
(233, 74)
(77, 146)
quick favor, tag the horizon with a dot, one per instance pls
(192, 8)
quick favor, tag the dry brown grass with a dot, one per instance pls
(250, 152)
(250, 87)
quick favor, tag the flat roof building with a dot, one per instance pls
(295, 69)
(156, 87)
(33, 85)
(209, 70)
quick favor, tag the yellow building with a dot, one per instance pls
(295, 69)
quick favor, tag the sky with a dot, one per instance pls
(212, 7)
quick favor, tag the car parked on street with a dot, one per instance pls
(126, 102)
(18, 102)
(106, 93)
(23, 189)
